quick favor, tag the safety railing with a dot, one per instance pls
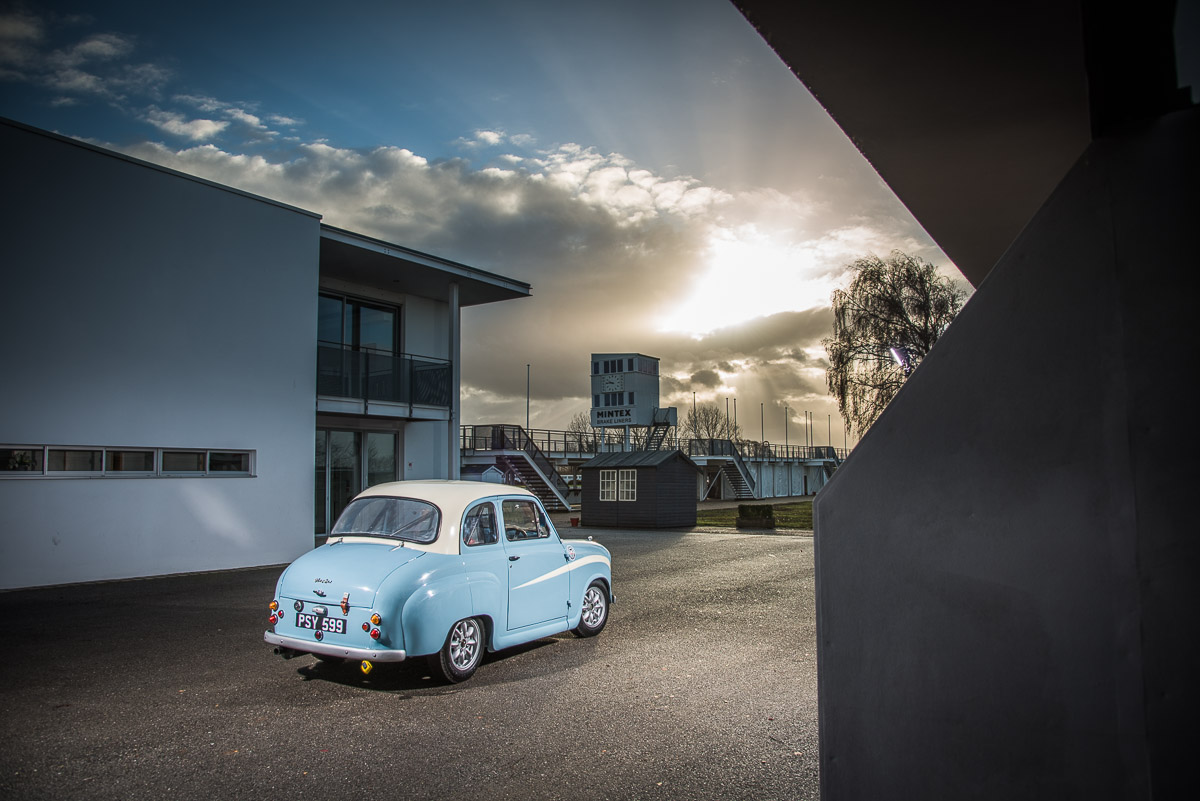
(378, 376)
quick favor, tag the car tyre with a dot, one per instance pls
(595, 611)
(462, 651)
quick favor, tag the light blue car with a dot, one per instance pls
(444, 569)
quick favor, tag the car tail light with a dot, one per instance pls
(374, 634)
(273, 620)
(366, 626)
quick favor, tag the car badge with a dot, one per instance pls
(346, 604)
(321, 593)
(570, 553)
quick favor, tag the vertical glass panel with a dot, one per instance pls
(21, 459)
(329, 319)
(376, 328)
(129, 461)
(74, 461)
(345, 469)
(183, 461)
(320, 485)
(381, 458)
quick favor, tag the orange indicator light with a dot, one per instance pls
(376, 619)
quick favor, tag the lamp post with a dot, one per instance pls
(526, 398)
(785, 428)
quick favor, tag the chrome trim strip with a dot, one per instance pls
(329, 649)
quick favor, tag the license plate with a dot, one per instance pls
(333, 625)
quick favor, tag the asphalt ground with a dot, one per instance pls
(703, 686)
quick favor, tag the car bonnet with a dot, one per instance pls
(338, 569)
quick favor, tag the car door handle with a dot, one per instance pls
(513, 558)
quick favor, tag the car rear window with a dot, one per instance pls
(394, 518)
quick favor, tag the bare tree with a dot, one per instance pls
(710, 422)
(586, 436)
(884, 324)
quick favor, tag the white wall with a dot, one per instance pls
(424, 450)
(145, 309)
(427, 328)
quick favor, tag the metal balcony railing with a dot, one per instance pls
(377, 376)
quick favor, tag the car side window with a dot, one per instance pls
(479, 525)
(523, 520)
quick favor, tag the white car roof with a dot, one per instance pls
(444, 493)
(451, 497)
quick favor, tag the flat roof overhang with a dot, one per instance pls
(972, 113)
(362, 260)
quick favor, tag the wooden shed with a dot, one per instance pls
(641, 489)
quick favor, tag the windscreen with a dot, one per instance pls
(396, 518)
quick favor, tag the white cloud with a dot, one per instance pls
(481, 139)
(174, 123)
(20, 35)
(99, 47)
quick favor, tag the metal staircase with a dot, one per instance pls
(513, 448)
(657, 435)
(735, 469)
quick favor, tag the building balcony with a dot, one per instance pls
(380, 383)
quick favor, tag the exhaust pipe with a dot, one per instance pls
(286, 653)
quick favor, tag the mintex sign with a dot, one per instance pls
(611, 417)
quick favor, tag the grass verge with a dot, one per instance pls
(797, 516)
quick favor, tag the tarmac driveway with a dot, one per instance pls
(702, 686)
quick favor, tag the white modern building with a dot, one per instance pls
(196, 378)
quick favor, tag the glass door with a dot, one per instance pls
(342, 463)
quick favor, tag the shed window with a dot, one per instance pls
(628, 485)
(608, 485)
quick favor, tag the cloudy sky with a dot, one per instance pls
(649, 166)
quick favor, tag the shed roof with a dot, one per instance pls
(637, 459)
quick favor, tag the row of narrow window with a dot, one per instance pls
(44, 460)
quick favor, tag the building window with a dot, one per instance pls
(23, 460)
(608, 485)
(62, 460)
(628, 485)
(129, 461)
(631, 401)
(228, 462)
(183, 461)
(358, 324)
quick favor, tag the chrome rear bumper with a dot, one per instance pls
(330, 649)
